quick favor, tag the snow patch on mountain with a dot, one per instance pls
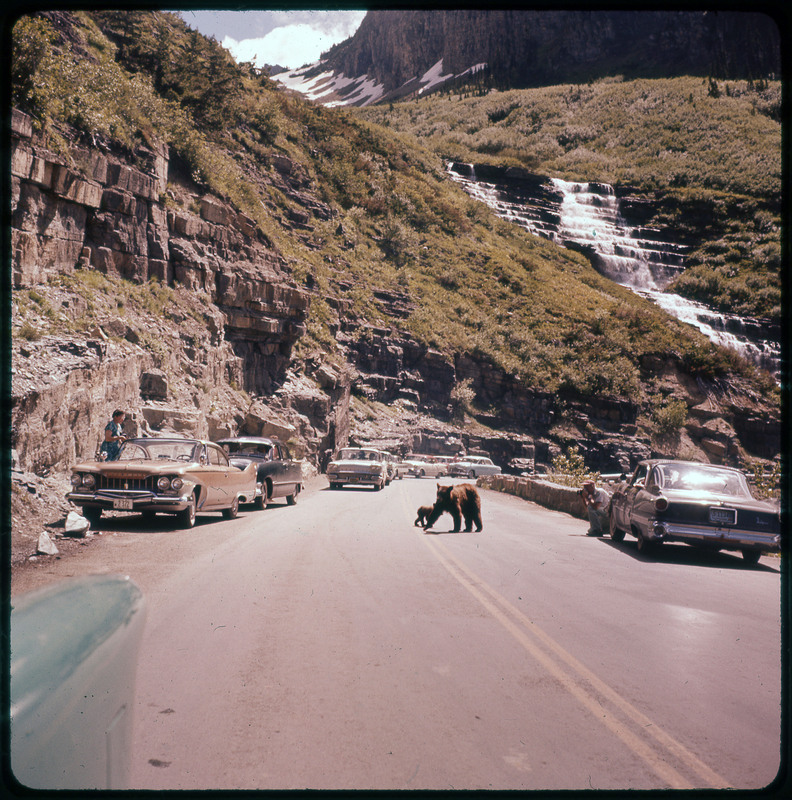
(336, 89)
(433, 76)
(332, 89)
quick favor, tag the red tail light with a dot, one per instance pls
(661, 504)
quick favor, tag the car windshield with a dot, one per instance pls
(258, 449)
(699, 478)
(166, 450)
(354, 454)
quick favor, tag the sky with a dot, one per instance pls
(288, 38)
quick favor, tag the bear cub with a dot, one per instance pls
(423, 515)
(459, 501)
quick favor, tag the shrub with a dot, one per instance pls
(462, 396)
(668, 416)
(569, 469)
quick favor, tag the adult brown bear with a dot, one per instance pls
(459, 501)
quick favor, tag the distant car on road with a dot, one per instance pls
(359, 466)
(473, 467)
(701, 504)
(163, 475)
(400, 468)
(277, 474)
(425, 466)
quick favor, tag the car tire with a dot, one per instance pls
(291, 499)
(645, 547)
(186, 517)
(93, 515)
(472, 474)
(615, 533)
(232, 511)
(421, 473)
(751, 556)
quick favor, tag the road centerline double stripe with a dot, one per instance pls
(597, 697)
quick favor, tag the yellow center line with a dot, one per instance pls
(519, 626)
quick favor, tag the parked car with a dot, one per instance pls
(701, 504)
(400, 468)
(425, 466)
(163, 475)
(359, 466)
(277, 474)
(472, 467)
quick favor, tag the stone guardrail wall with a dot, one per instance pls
(545, 493)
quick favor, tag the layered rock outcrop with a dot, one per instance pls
(98, 209)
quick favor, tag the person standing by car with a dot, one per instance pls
(113, 436)
(596, 502)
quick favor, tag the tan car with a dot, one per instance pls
(169, 476)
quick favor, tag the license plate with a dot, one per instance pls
(724, 516)
(123, 503)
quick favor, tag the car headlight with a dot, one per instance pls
(177, 484)
(163, 484)
(76, 480)
(89, 481)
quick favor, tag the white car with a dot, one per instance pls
(473, 467)
(359, 466)
(420, 468)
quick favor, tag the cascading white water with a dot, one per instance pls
(589, 220)
(585, 217)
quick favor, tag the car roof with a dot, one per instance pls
(248, 440)
(657, 461)
(179, 439)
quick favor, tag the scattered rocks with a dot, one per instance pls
(45, 545)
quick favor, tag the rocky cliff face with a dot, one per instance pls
(520, 49)
(95, 210)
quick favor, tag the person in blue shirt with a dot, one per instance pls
(113, 436)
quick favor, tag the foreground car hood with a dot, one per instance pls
(129, 468)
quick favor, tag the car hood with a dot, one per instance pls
(129, 468)
(358, 462)
(243, 461)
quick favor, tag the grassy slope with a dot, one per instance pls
(479, 284)
(711, 151)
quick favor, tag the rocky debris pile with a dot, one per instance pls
(39, 511)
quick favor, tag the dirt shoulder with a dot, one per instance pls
(38, 505)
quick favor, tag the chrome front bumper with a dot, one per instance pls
(355, 477)
(727, 538)
(130, 501)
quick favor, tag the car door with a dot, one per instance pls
(220, 483)
(276, 471)
(635, 505)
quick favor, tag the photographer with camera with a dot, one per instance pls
(596, 502)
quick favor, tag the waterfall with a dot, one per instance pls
(586, 217)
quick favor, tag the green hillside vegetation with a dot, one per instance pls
(479, 285)
(709, 150)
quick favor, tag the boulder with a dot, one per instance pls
(46, 546)
(76, 525)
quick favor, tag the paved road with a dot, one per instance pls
(332, 645)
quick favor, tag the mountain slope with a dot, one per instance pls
(399, 53)
(247, 251)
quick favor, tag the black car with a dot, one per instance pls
(704, 505)
(278, 475)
